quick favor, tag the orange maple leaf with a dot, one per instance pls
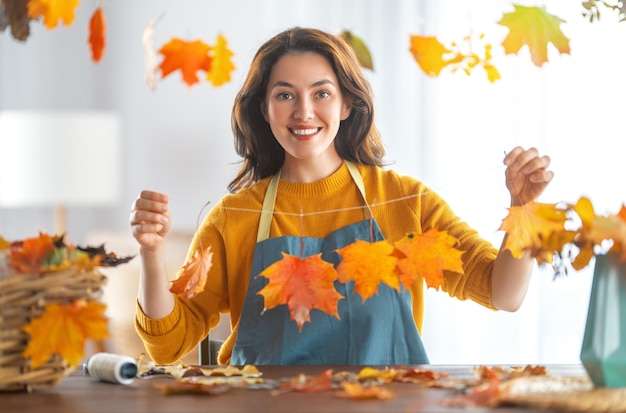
(428, 52)
(63, 329)
(303, 284)
(193, 276)
(535, 28)
(368, 264)
(97, 34)
(427, 255)
(28, 255)
(188, 57)
(221, 65)
(52, 11)
(536, 228)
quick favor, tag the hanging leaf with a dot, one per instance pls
(192, 279)
(303, 284)
(428, 255)
(221, 64)
(535, 28)
(97, 34)
(536, 228)
(14, 14)
(188, 57)
(150, 56)
(63, 329)
(368, 264)
(52, 11)
(361, 50)
(428, 52)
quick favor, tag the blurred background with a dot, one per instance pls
(450, 131)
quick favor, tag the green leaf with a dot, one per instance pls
(360, 49)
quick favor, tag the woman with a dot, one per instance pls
(313, 181)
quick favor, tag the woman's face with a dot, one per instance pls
(304, 107)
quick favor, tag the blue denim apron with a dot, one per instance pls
(380, 331)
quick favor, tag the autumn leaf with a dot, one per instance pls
(360, 49)
(16, 16)
(28, 255)
(193, 276)
(535, 28)
(63, 329)
(97, 34)
(221, 63)
(358, 391)
(427, 255)
(307, 383)
(367, 264)
(529, 226)
(428, 52)
(52, 11)
(303, 284)
(150, 56)
(188, 57)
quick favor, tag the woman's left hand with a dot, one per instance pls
(527, 174)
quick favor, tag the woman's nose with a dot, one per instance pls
(303, 109)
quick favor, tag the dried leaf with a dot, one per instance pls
(52, 11)
(428, 255)
(27, 256)
(359, 392)
(221, 63)
(303, 284)
(308, 384)
(428, 52)
(150, 56)
(368, 264)
(188, 57)
(63, 329)
(14, 13)
(361, 50)
(193, 276)
(534, 27)
(97, 34)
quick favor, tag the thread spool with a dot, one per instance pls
(112, 368)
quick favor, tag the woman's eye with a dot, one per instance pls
(284, 96)
(323, 94)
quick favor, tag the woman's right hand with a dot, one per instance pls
(150, 219)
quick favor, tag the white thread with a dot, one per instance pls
(112, 368)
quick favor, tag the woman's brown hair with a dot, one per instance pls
(357, 140)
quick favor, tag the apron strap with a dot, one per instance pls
(265, 221)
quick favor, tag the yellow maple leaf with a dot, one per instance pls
(529, 226)
(221, 65)
(52, 11)
(428, 255)
(192, 279)
(428, 52)
(535, 28)
(368, 264)
(63, 329)
(303, 284)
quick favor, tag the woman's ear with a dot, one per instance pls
(346, 108)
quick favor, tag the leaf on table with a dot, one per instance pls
(534, 27)
(63, 329)
(52, 11)
(368, 264)
(360, 49)
(418, 375)
(97, 34)
(248, 370)
(358, 391)
(303, 284)
(14, 13)
(429, 53)
(428, 255)
(371, 374)
(193, 276)
(537, 228)
(221, 63)
(188, 57)
(307, 384)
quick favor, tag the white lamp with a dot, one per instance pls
(59, 159)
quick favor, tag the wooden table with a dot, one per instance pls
(79, 393)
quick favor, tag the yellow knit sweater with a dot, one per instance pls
(400, 205)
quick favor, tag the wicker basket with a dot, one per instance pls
(22, 298)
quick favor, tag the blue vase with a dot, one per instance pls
(604, 345)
